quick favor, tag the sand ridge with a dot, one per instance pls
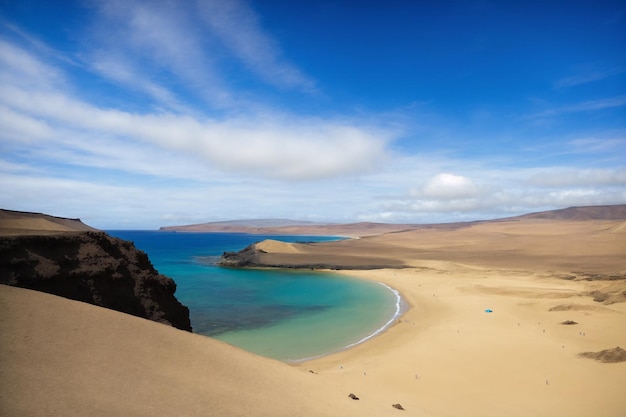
(567, 247)
(24, 223)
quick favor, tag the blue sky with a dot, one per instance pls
(139, 114)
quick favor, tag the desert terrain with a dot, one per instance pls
(499, 315)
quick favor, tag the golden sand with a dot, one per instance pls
(446, 356)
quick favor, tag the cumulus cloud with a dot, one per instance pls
(446, 186)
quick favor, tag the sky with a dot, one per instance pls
(136, 114)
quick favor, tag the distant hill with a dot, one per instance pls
(616, 212)
(250, 223)
(294, 227)
(290, 227)
(22, 223)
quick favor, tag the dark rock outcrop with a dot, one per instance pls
(247, 257)
(615, 355)
(92, 267)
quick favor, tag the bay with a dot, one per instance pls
(288, 315)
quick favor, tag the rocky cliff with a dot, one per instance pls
(92, 267)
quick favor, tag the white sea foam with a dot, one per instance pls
(396, 315)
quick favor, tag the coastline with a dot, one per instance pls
(499, 316)
(401, 307)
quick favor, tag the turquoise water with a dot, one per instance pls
(283, 314)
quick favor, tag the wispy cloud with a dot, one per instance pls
(585, 106)
(19, 67)
(162, 40)
(239, 28)
(195, 45)
(40, 46)
(587, 77)
(118, 70)
(616, 144)
(287, 147)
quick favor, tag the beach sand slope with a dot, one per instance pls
(60, 357)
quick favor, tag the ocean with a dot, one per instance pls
(289, 315)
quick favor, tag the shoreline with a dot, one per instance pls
(402, 306)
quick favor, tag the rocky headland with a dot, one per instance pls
(261, 255)
(67, 258)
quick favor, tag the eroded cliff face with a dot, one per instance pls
(95, 268)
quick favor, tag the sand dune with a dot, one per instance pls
(271, 245)
(446, 356)
(65, 358)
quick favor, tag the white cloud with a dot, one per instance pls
(22, 128)
(448, 186)
(18, 67)
(501, 192)
(283, 147)
(294, 149)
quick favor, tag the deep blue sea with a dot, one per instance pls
(283, 314)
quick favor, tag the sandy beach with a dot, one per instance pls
(446, 356)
